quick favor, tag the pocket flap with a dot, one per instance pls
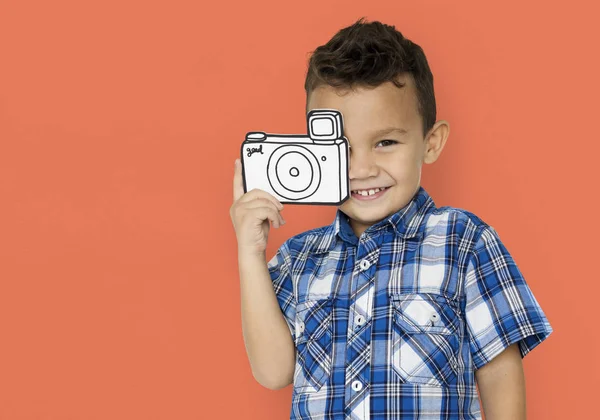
(425, 313)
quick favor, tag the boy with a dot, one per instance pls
(398, 309)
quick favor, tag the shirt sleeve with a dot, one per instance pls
(500, 308)
(281, 275)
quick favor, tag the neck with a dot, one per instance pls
(358, 228)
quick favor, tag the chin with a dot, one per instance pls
(366, 216)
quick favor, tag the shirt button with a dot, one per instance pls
(301, 326)
(360, 320)
(357, 385)
(364, 265)
(434, 317)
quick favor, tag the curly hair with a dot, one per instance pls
(369, 54)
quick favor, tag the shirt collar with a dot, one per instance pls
(406, 222)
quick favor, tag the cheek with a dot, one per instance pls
(399, 166)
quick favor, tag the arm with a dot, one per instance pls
(504, 323)
(501, 385)
(269, 345)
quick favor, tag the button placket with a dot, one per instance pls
(359, 339)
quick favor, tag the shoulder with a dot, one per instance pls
(457, 222)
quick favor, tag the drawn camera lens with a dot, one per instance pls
(294, 172)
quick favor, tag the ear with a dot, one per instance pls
(435, 141)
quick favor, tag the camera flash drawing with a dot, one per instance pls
(300, 168)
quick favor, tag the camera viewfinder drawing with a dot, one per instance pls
(307, 168)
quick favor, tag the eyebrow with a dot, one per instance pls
(388, 130)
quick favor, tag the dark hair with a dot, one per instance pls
(369, 54)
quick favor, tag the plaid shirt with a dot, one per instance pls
(393, 325)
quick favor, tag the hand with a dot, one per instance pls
(250, 214)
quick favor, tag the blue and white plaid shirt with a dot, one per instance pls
(394, 325)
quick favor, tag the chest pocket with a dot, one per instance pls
(314, 338)
(425, 338)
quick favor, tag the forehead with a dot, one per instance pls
(369, 109)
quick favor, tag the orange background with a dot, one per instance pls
(119, 125)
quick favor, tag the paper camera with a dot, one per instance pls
(300, 169)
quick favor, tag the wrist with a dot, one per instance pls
(251, 254)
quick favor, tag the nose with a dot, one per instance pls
(362, 165)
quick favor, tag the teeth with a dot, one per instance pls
(366, 193)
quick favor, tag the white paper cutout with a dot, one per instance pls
(297, 168)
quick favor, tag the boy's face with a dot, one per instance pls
(387, 146)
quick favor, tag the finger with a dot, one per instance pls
(238, 182)
(258, 193)
(263, 202)
(258, 202)
(264, 213)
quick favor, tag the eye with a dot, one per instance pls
(387, 142)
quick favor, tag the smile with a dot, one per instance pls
(369, 194)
